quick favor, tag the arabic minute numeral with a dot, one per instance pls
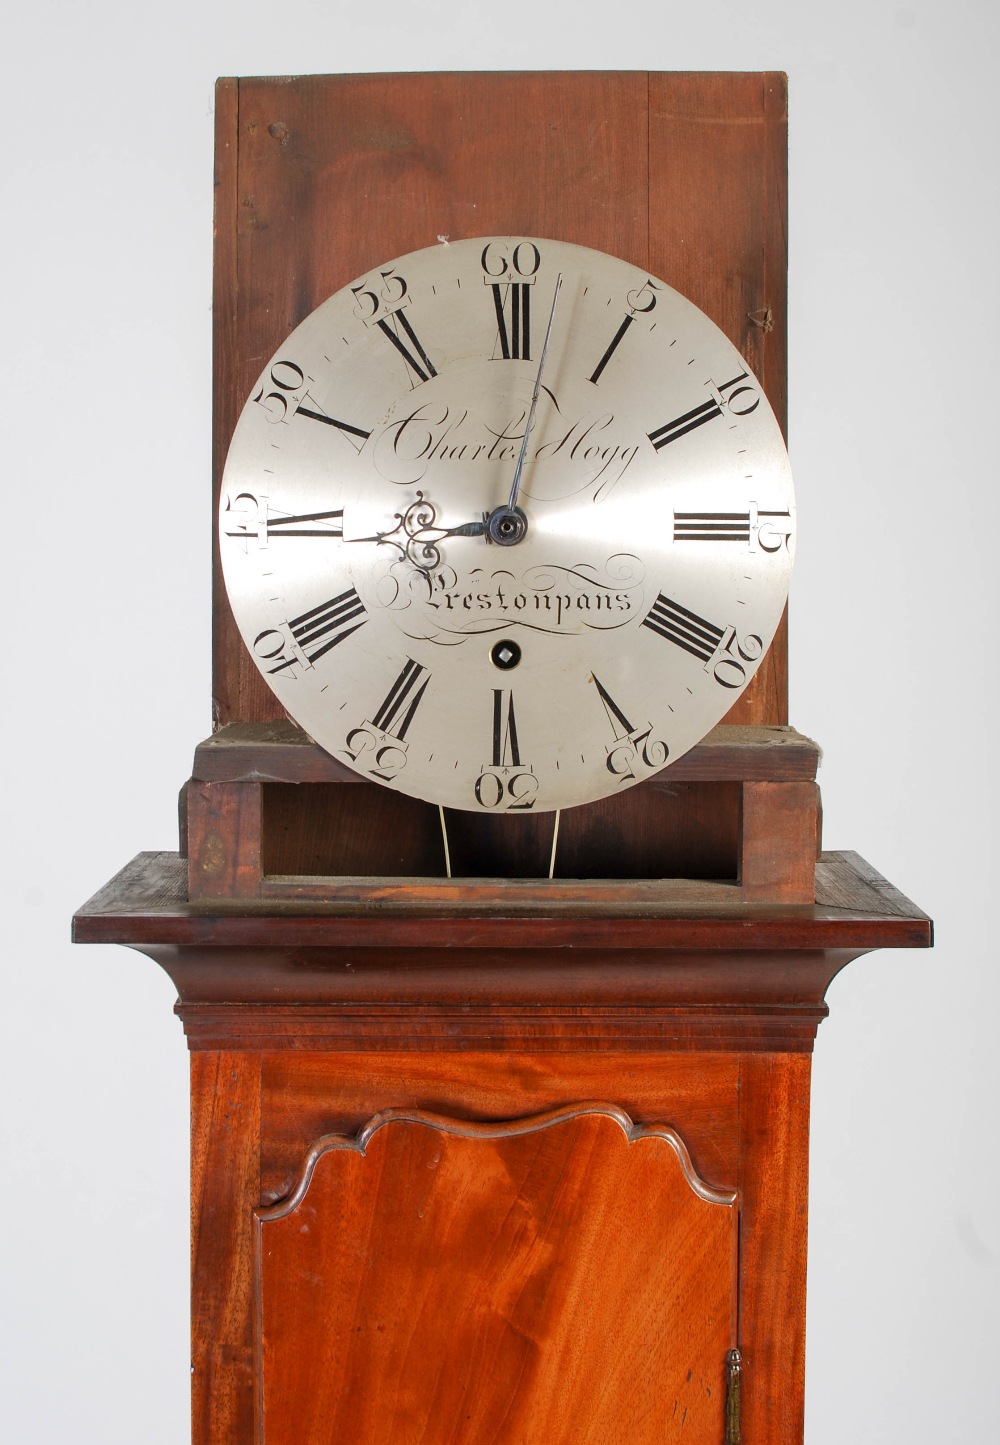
(287, 397)
(285, 378)
(726, 669)
(275, 654)
(511, 792)
(712, 645)
(381, 296)
(731, 396)
(382, 303)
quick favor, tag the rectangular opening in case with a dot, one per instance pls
(664, 830)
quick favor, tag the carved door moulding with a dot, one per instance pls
(564, 1277)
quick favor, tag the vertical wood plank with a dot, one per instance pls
(773, 1185)
(717, 209)
(767, 336)
(224, 833)
(766, 349)
(706, 161)
(225, 1189)
(779, 842)
(225, 403)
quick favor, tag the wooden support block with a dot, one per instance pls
(224, 839)
(779, 845)
(225, 1188)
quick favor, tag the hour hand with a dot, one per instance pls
(417, 534)
(468, 529)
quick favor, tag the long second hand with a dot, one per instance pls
(534, 400)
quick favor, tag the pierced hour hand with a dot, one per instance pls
(416, 533)
(467, 529)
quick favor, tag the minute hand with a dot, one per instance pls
(515, 485)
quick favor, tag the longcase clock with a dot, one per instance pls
(500, 922)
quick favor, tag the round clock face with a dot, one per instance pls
(507, 524)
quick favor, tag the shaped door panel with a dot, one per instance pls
(564, 1279)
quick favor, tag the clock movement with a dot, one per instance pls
(500, 921)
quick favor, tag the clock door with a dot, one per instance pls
(565, 1278)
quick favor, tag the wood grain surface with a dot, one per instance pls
(565, 1279)
(258, 1118)
(146, 904)
(225, 1186)
(308, 1094)
(773, 1185)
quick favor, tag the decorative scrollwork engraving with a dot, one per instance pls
(416, 534)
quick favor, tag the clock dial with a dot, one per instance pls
(507, 524)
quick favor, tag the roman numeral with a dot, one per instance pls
(328, 624)
(402, 700)
(718, 648)
(726, 396)
(378, 746)
(614, 712)
(711, 526)
(247, 519)
(595, 375)
(683, 628)
(344, 427)
(297, 526)
(497, 785)
(515, 339)
(505, 749)
(760, 530)
(417, 360)
(681, 425)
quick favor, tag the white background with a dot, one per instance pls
(106, 291)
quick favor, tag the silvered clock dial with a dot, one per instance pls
(507, 524)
